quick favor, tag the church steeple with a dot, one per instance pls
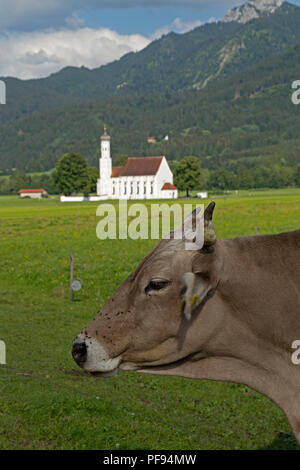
(105, 145)
(105, 163)
(105, 136)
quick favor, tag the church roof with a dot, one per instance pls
(168, 186)
(116, 170)
(140, 166)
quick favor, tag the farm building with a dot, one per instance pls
(32, 193)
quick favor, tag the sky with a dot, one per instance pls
(40, 37)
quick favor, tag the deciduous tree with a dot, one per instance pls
(71, 173)
(187, 174)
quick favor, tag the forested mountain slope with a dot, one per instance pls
(247, 119)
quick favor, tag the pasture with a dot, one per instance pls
(47, 403)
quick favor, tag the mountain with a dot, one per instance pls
(174, 63)
(246, 120)
(252, 10)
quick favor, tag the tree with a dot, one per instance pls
(297, 176)
(245, 178)
(19, 181)
(47, 183)
(4, 185)
(121, 160)
(91, 185)
(187, 174)
(222, 179)
(71, 173)
(281, 177)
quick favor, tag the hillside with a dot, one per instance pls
(247, 119)
(176, 62)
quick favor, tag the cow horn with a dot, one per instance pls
(209, 232)
(210, 237)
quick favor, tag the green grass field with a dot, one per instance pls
(47, 403)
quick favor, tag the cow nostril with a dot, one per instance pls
(79, 352)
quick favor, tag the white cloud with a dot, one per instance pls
(38, 54)
(33, 55)
(178, 26)
(183, 27)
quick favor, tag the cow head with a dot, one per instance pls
(147, 321)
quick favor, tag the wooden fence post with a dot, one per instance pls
(71, 275)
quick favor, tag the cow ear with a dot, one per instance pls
(210, 237)
(196, 290)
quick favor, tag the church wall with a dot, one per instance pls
(135, 187)
(169, 194)
(164, 175)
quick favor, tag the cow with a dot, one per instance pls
(228, 311)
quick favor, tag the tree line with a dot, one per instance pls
(73, 175)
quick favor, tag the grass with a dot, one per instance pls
(46, 403)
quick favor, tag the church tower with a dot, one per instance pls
(105, 163)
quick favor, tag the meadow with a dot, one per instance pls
(47, 403)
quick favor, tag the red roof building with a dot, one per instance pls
(33, 193)
(168, 186)
(28, 191)
(138, 166)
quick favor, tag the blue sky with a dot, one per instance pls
(149, 19)
(39, 37)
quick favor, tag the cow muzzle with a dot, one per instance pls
(92, 357)
(79, 352)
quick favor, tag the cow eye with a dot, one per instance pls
(156, 285)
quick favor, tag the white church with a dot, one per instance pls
(140, 178)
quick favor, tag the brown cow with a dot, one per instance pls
(229, 311)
